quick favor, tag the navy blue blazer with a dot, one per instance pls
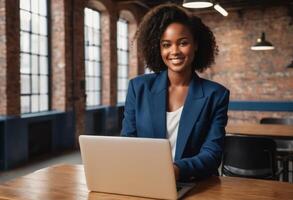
(202, 124)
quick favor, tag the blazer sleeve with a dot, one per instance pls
(129, 121)
(207, 161)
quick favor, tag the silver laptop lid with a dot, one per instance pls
(131, 166)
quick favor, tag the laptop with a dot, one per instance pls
(130, 166)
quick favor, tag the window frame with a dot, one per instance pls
(96, 78)
(119, 77)
(37, 55)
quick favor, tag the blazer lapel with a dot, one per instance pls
(192, 108)
(157, 99)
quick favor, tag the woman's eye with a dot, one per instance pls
(183, 43)
(165, 45)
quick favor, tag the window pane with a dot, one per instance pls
(35, 44)
(25, 84)
(91, 68)
(98, 84)
(98, 54)
(43, 25)
(91, 84)
(43, 45)
(43, 84)
(25, 63)
(123, 57)
(35, 103)
(90, 52)
(96, 20)
(25, 4)
(90, 36)
(43, 65)
(86, 35)
(35, 24)
(122, 84)
(25, 104)
(88, 17)
(35, 6)
(96, 37)
(121, 96)
(44, 102)
(25, 42)
(97, 69)
(124, 29)
(35, 84)
(124, 43)
(98, 94)
(35, 64)
(24, 20)
(43, 7)
(86, 53)
(90, 99)
(122, 71)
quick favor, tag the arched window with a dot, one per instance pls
(93, 65)
(34, 59)
(123, 59)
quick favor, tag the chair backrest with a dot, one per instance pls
(282, 145)
(271, 120)
(251, 157)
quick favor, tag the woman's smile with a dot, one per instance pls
(177, 61)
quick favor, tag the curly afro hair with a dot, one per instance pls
(155, 23)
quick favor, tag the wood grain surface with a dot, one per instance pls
(67, 182)
(272, 130)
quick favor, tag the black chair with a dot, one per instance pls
(284, 151)
(249, 157)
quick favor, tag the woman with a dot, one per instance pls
(174, 102)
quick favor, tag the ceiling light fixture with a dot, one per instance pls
(290, 65)
(220, 9)
(204, 4)
(262, 44)
(197, 3)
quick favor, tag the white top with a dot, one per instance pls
(172, 128)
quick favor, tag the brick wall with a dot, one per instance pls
(59, 62)
(9, 58)
(253, 75)
(3, 58)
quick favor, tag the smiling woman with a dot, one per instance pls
(175, 103)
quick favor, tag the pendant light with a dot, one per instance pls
(290, 65)
(204, 4)
(262, 44)
(197, 3)
(220, 9)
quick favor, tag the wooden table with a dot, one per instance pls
(271, 130)
(67, 182)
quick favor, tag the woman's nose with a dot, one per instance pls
(175, 49)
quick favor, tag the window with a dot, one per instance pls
(34, 62)
(93, 65)
(123, 53)
(147, 71)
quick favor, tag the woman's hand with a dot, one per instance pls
(176, 172)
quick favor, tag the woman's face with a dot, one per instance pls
(177, 48)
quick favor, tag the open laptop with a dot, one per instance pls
(130, 166)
